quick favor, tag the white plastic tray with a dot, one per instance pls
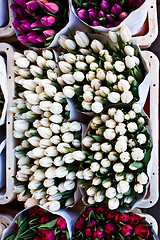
(6, 194)
(8, 30)
(5, 221)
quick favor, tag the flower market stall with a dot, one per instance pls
(79, 120)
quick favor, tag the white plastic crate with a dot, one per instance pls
(5, 221)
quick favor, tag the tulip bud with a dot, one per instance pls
(44, 132)
(113, 203)
(82, 14)
(39, 175)
(104, 5)
(51, 7)
(46, 162)
(96, 46)
(116, 10)
(81, 39)
(47, 21)
(54, 206)
(50, 172)
(125, 34)
(123, 15)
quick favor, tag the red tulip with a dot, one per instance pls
(88, 232)
(48, 21)
(109, 228)
(44, 219)
(111, 214)
(134, 220)
(98, 234)
(93, 223)
(142, 231)
(61, 223)
(51, 7)
(126, 230)
(80, 224)
(101, 209)
(47, 234)
(37, 238)
(63, 236)
(123, 218)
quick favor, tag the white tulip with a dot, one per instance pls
(76, 143)
(46, 162)
(52, 190)
(22, 62)
(39, 194)
(105, 163)
(129, 177)
(79, 174)
(31, 202)
(113, 203)
(96, 181)
(98, 156)
(91, 200)
(142, 178)
(68, 91)
(97, 107)
(88, 96)
(128, 199)
(70, 58)
(79, 76)
(69, 185)
(36, 109)
(123, 187)
(42, 201)
(75, 126)
(61, 41)
(71, 176)
(119, 66)
(113, 36)
(36, 124)
(37, 153)
(18, 188)
(81, 65)
(84, 51)
(95, 147)
(129, 50)
(123, 85)
(87, 141)
(87, 174)
(126, 97)
(97, 120)
(67, 137)
(99, 196)
(68, 78)
(45, 105)
(90, 76)
(114, 97)
(136, 107)
(44, 132)
(61, 172)
(125, 34)
(21, 125)
(41, 62)
(137, 154)
(45, 122)
(96, 46)
(54, 206)
(104, 91)
(50, 172)
(16, 70)
(24, 72)
(110, 123)
(18, 134)
(87, 105)
(65, 67)
(136, 59)
(138, 188)
(56, 108)
(39, 175)
(65, 127)
(50, 90)
(61, 187)
(101, 75)
(96, 84)
(29, 84)
(51, 151)
(69, 202)
(31, 55)
(34, 141)
(118, 177)
(121, 146)
(132, 114)
(132, 127)
(81, 39)
(130, 62)
(34, 184)
(141, 120)
(111, 77)
(23, 161)
(58, 161)
(89, 59)
(55, 128)
(91, 191)
(70, 44)
(48, 182)
(106, 184)
(35, 70)
(95, 167)
(109, 134)
(78, 155)
(51, 75)
(62, 147)
(103, 52)
(94, 66)
(141, 138)
(111, 192)
(112, 111)
(118, 167)
(51, 64)
(32, 98)
(125, 157)
(22, 197)
(132, 167)
(108, 66)
(55, 139)
(120, 128)
(47, 54)
(17, 55)
(106, 147)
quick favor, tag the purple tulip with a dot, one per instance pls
(41, 2)
(14, 7)
(131, 4)
(32, 37)
(123, 15)
(29, 11)
(96, 23)
(36, 24)
(116, 9)
(47, 21)
(110, 25)
(105, 6)
(23, 39)
(82, 13)
(26, 24)
(110, 18)
(139, 3)
(16, 23)
(117, 23)
(101, 14)
(21, 31)
(21, 13)
(49, 33)
(33, 5)
(92, 13)
(51, 7)
(38, 17)
(41, 39)
(21, 3)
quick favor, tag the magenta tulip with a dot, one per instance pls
(21, 3)
(36, 24)
(41, 2)
(109, 228)
(51, 7)
(82, 13)
(33, 5)
(98, 234)
(88, 232)
(142, 231)
(16, 23)
(23, 39)
(41, 39)
(126, 230)
(116, 9)
(105, 6)
(21, 13)
(110, 18)
(101, 14)
(48, 21)
(123, 218)
(96, 23)
(80, 224)
(93, 223)
(49, 32)
(29, 11)
(38, 17)
(92, 13)
(123, 15)
(110, 25)
(61, 223)
(14, 7)
(32, 37)
(26, 24)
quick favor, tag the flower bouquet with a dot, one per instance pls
(38, 224)
(99, 222)
(105, 15)
(118, 149)
(49, 152)
(95, 74)
(37, 22)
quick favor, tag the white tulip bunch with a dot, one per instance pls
(96, 74)
(118, 149)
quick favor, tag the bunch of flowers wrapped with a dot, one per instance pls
(49, 146)
(1, 101)
(99, 222)
(38, 224)
(118, 149)
(106, 13)
(95, 74)
(38, 21)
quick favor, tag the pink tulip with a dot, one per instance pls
(49, 32)
(38, 17)
(123, 15)
(47, 21)
(41, 2)
(51, 7)
(36, 24)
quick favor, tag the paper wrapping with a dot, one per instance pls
(134, 21)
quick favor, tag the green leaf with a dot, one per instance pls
(78, 3)
(120, 42)
(34, 221)
(22, 218)
(138, 164)
(99, 138)
(50, 38)
(79, 91)
(28, 234)
(70, 35)
(11, 237)
(49, 225)
(71, 150)
(138, 74)
(108, 47)
(147, 156)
